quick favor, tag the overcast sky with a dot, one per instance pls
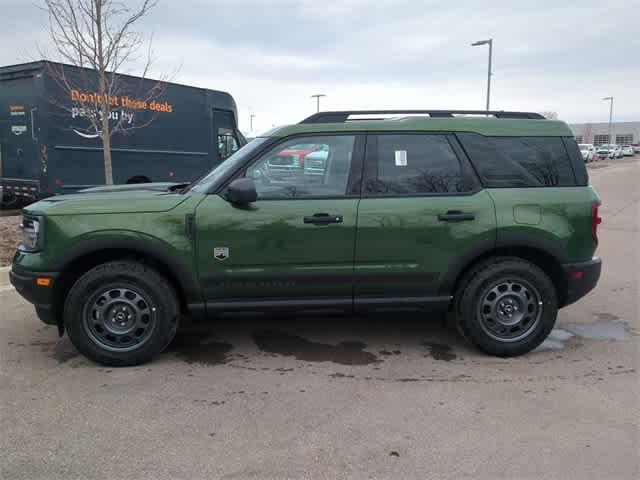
(271, 55)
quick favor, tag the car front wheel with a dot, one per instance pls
(507, 306)
(121, 313)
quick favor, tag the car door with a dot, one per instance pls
(295, 244)
(422, 210)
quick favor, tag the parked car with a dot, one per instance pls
(315, 162)
(636, 148)
(286, 163)
(606, 151)
(627, 151)
(442, 213)
(588, 151)
(298, 153)
(603, 151)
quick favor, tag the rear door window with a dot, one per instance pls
(413, 164)
(519, 161)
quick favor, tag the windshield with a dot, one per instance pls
(204, 184)
(583, 146)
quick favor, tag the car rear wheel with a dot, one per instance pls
(121, 313)
(506, 307)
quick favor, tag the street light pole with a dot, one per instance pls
(251, 122)
(490, 43)
(610, 100)
(317, 97)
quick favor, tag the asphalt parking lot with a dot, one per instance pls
(384, 397)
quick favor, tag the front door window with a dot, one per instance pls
(304, 167)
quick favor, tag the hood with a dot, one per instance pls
(158, 186)
(116, 200)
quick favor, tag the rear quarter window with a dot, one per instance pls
(503, 162)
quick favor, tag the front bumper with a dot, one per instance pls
(25, 283)
(582, 277)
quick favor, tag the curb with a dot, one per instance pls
(4, 276)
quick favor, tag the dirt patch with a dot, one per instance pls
(9, 235)
(345, 353)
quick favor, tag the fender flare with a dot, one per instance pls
(503, 240)
(146, 247)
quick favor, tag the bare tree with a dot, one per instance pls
(98, 37)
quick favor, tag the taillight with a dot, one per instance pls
(595, 221)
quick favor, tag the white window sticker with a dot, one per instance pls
(18, 129)
(401, 158)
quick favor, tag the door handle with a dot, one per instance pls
(456, 216)
(322, 218)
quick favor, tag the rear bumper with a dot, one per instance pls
(582, 277)
(20, 188)
(41, 297)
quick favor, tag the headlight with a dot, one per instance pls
(31, 234)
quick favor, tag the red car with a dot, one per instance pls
(300, 151)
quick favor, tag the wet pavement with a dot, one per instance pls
(397, 396)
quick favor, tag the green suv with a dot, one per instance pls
(486, 215)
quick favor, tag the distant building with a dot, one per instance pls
(622, 133)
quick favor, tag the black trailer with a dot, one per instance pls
(186, 131)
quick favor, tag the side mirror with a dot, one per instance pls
(242, 191)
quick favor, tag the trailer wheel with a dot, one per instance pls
(139, 179)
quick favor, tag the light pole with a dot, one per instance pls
(251, 122)
(490, 43)
(610, 99)
(317, 97)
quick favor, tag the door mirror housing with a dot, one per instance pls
(242, 191)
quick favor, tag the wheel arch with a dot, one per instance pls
(90, 253)
(548, 261)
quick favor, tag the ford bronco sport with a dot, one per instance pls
(486, 215)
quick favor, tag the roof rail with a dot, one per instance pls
(343, 116)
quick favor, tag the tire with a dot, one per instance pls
(121, 313)
(506, 306)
